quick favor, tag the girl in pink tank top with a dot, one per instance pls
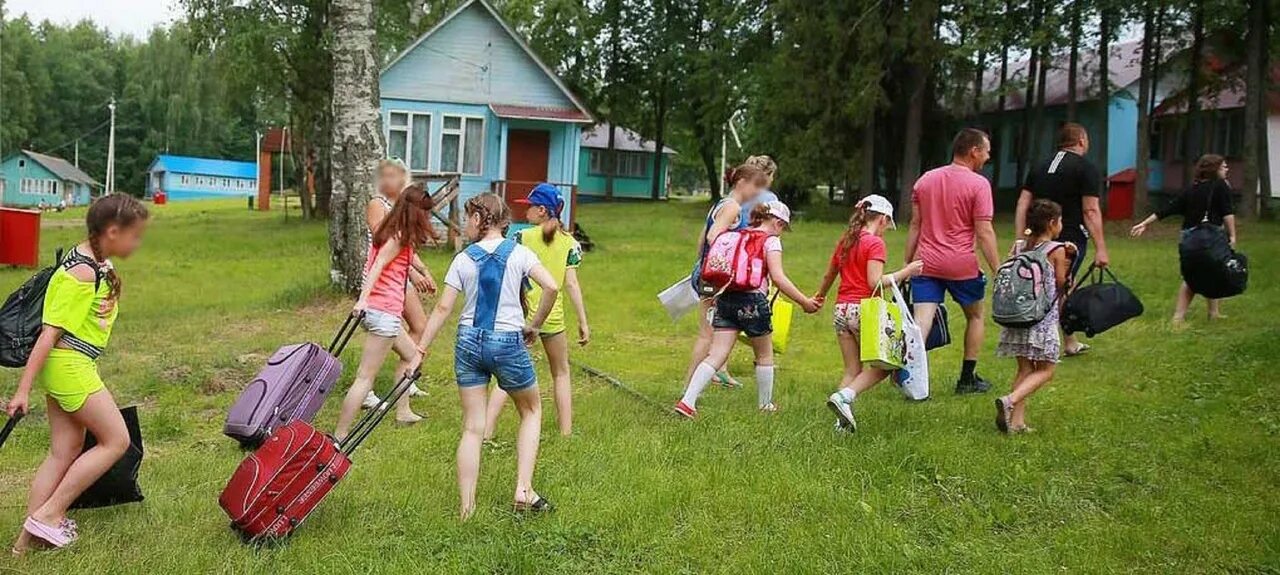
(382, 301)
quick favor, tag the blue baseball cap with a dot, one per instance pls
(546, 196)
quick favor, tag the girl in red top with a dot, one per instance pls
(382, 301)
(859, 261)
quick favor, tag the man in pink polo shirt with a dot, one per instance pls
(952, 210)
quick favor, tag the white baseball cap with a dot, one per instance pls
(779, 210)
(880, 205)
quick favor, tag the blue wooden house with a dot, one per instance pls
(633, 171)
(188, 178)
(32, 179)
(471, 98)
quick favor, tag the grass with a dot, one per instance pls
(1157, 452)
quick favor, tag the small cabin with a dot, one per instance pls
(470, 98)
(633, 168)
(30, 179)
(188, 178)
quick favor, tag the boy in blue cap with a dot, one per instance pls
(561, 255)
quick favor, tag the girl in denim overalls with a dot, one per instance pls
(491, 343)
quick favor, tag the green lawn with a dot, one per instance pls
(1157, 452)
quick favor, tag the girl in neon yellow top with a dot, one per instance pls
(79, 310)
(561, 255)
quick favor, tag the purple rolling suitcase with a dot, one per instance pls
(292, 386)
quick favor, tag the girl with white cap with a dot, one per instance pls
(749, 312)
(858, 260)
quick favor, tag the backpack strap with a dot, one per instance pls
(75, 258)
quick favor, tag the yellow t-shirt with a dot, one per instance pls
(562, 253)
(76, 307)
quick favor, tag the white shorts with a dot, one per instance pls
(381, 323)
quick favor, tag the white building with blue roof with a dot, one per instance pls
(187, 178)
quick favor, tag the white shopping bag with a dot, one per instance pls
(913, 378)
(679, 299)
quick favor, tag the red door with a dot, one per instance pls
(528, 152)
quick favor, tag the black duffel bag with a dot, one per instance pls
(1209, 265)
(120, 483)
(1096, 305)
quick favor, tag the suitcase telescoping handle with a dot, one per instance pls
(8, 427)
(348, 329)
(374, 416)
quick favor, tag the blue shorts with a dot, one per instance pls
(931, 290)
(747, 312)
(1082, 250)
(480, 355)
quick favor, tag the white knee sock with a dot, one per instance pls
(847, 394)
(701, 377)
(764, 384)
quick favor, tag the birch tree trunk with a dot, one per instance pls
(357, 137)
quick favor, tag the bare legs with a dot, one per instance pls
(702, 345)
(375, 352)
(1183, 302)
(974, 329)
(557, 349)
(66, 473)
(469, 448)
(529, 406)
(1031, 376)
(857, 377)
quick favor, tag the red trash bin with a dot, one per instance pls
(1120, 192)
(160, 198)
(19, 237)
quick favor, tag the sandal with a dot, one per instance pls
(539, 505)
(727, 381)
(1004, 410)
(1081, 349)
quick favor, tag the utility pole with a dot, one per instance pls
(77, 152)
(111, 149)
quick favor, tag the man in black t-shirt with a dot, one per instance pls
(1071, 180)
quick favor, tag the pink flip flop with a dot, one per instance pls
(56, 536)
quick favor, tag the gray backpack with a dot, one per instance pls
(1020, 297)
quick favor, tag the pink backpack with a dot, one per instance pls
(735, 262)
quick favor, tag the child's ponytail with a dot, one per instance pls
(121, 210)
(853, 233)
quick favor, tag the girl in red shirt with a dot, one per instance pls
(859, 261)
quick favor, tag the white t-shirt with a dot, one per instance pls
(771, 244)
(462, 276)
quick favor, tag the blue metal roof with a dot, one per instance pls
(205, 166)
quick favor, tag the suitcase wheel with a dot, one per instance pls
(293, 523)
(333, 478)
(280, 510)
(319, 467)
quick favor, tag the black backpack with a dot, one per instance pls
(1209, 265)
(1100, 305)
(22, 314)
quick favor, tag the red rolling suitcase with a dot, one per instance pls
(276, 487)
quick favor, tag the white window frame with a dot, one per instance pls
(408, 137)
(461, 132)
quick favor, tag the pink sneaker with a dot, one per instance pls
(57, 536)
(683, 409)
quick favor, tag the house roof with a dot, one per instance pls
(581, 109)
(61, 168)
(1124, 68)
(623, 139)
(539, 113)
(205, 166)
(1230, 96)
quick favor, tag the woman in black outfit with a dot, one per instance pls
(1208, 199)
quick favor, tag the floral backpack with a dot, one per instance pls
(735, 262)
